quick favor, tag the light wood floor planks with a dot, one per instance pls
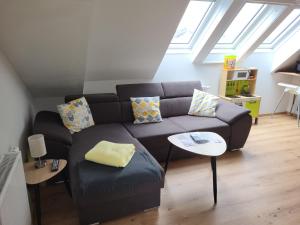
(259, 185)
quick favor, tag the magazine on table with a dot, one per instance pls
(193, 139)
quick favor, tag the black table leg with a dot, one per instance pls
(38, 203)
(168, 158)
(214, 170)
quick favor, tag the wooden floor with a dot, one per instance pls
(259, 185)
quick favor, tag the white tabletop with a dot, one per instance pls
(215, 146)
(291, 88)
(287, 85)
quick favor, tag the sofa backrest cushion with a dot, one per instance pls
(126, 91)
(94, 98)
(105, 108)
(127, 112)
(175, 106)
(175, 97)
(178, 97)
(180, 89)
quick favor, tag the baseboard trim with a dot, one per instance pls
(270, 114)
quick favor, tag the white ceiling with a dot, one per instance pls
(55, 45)
(128, 39)
(287, 54)
(46, 41)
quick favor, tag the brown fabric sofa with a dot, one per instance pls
(102, 193)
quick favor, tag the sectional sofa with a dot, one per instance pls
(102, 193)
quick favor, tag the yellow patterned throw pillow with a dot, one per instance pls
(76, 115)
(203, 104)
(146, 109)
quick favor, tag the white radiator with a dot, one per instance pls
(14, 205)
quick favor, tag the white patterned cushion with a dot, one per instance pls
(203, 104)
(76, 115)
(146, 109)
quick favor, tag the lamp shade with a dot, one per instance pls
(37, 145)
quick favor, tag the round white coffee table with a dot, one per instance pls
(215, 146)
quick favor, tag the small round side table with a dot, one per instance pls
(34, 177)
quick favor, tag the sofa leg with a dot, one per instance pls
(151, 209)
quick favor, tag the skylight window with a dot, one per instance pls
(288, 26)
(204, 22)
(194, 15)
(239, 26)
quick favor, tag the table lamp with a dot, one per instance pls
(37, 149)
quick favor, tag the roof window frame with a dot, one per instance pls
(187, 47)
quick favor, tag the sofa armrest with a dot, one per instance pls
(50, 125)
(229, 112)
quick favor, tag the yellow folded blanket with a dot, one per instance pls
(111, 154)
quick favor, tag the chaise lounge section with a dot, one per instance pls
(103, 193)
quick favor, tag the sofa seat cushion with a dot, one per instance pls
(196, 123)
(164, 128)
(93, 182)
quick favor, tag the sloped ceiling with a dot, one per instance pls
(129, 39)
(46, 41)
(287, 54)
(289, 65)
(55, 45)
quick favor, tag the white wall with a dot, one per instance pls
(178, 67)
(16, 109)
(47, 103)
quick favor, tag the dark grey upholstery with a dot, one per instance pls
(107, 112)
(126, 91)
(102, 193)
(95, 185)
(50, 124)
(164, 128)
(239, 131)
(229, 112)
(94, 98)
(57, 137)
(105, 108)
(196, 123)
(180, 89)
(127, 113)
(154, 137)
(175, 106)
